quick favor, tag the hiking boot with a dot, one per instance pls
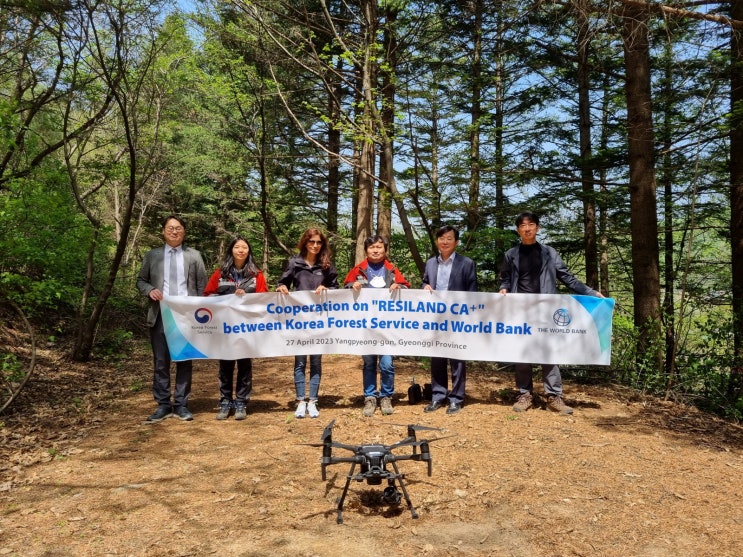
(241, 411)
(225, 407)
(301, 409)
(556, 404)
(312, 410)
(370, 405)
(523, 403)
(386, 405)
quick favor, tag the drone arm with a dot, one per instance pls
(349, 459)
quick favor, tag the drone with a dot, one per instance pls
(374, 462)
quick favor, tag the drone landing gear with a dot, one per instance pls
(391, 496)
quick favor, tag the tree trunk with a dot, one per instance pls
(334, 147)
(666, 181)
(500, 160)
(643, 204)
(473, 201)
(386, 153)
(736, 194)
(368, 71)
(584, 132)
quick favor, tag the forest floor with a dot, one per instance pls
(83, 474)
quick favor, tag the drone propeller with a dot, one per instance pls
(415, 442)
(416, 427)
(327, 432)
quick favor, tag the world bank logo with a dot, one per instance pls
(562, 317)
(203, 315)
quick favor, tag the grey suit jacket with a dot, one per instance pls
(152, 275)
(463, 275)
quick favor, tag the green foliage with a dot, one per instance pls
(703, 372)
(487, 246)
(42, 239)
(115, 344)
(11, 369)
(706, 368)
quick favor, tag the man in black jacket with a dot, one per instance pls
(534, 268)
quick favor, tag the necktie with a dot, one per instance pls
(173, 274)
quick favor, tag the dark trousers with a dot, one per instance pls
(440, 379)
(161, 380)
(244, 385)
(551, 378)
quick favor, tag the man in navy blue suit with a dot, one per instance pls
(448, 271)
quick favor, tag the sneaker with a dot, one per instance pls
(370, 405)
(225, 407)
(312, 409)
(523, 403)
(162, 412)
(183, 413)
(241, 411)
(556, 404)
(301, 409)
(386, 406)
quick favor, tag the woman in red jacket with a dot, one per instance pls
(238, 275)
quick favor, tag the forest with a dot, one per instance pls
(619, 123)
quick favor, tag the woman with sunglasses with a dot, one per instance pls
(311, 269)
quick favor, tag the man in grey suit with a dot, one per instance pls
(448, 271)
(175, 270)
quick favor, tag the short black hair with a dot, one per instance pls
(374, 239)
(526, 215)
(447, 228)
(176, 218)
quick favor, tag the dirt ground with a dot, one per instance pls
(82, 474)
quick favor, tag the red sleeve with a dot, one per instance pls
(260, 282)
(211, 286)
(400, 279)
(352, 275)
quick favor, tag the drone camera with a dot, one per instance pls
(373, 472)
(391, 495)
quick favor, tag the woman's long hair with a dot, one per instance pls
(325, 255)
(249, 269)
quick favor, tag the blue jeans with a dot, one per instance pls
(386, 376)
(300, 363)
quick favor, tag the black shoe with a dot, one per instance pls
(435, 405)
(162, 412)
(241, 411)
(454, 407)
(183, 413)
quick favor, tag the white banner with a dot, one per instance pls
(530, 328)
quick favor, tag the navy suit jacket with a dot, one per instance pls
(463, 275)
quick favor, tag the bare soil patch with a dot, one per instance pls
(82, 474)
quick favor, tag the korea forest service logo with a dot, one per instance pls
(202, 315)
(561, 317)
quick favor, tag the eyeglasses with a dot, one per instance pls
(315, 242)
(174, 228)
